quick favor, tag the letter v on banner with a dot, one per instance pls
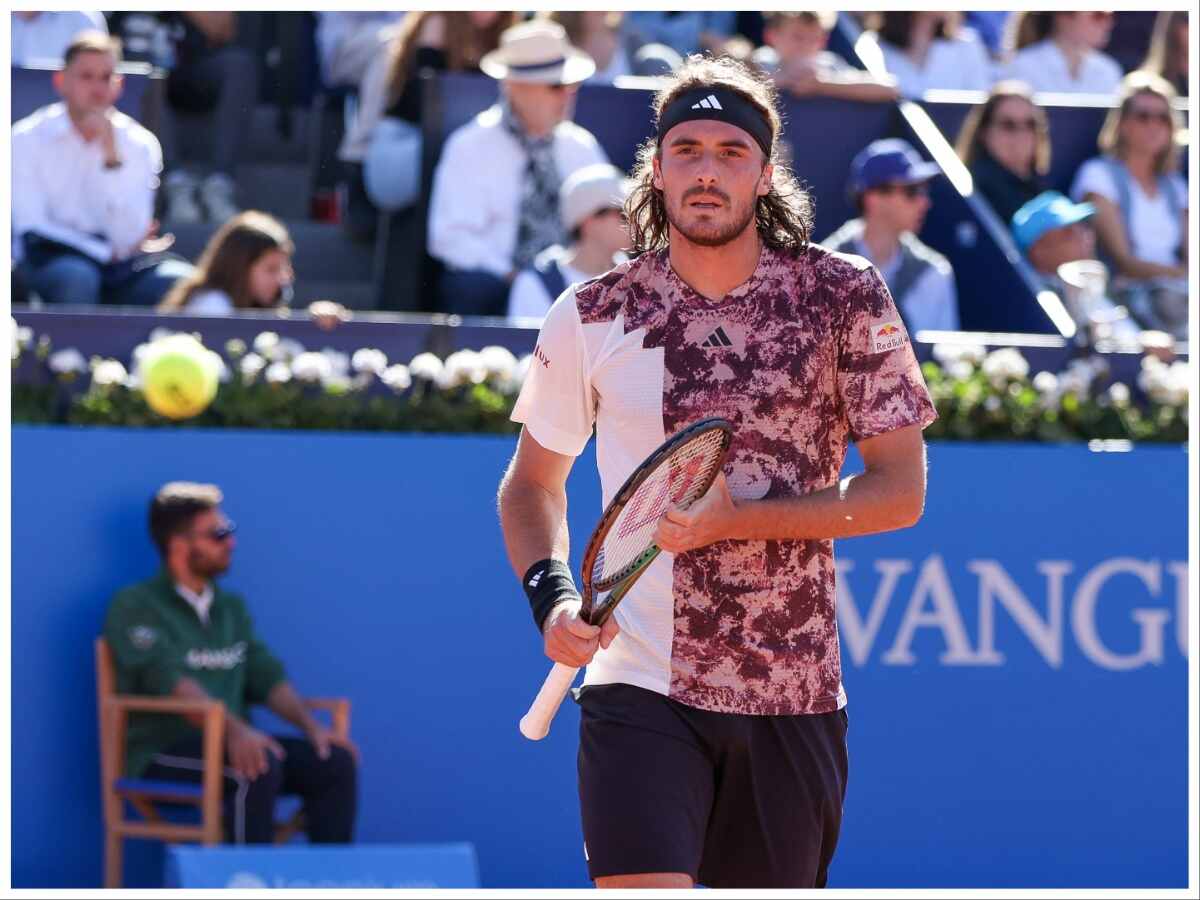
(859, 638)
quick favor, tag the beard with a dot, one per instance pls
(207, 566)
(710, 232)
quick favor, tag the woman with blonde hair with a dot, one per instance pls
(1005, 143)
(246, 265)
(1140, 198)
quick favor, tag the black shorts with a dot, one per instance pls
(734, 801)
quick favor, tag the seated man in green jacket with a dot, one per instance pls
(179, 634)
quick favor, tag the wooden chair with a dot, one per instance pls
(143, 793)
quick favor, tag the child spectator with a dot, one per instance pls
(795, 56)
(926, 51)
(1060, 52)
(1005, 143)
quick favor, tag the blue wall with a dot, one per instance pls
(979, 757)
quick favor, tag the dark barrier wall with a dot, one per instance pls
(1014, 665)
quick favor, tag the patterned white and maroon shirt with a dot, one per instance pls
(804, 357)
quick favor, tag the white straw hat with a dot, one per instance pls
(538, 52)
(590, 190)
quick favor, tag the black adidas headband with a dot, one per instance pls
(720, 104)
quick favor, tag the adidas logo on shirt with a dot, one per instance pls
(709, 102)
(717, 339)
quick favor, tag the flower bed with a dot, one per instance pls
(278, 383)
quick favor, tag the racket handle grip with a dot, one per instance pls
(535, 724)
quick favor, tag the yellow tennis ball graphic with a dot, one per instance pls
(179, 376)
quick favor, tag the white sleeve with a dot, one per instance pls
(557, 404)
(528, 298)
(1094, 177)
(128, 193)
(460, 223)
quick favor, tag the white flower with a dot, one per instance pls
(22, 338)
(369, 360)
(461, 368)
(336, 383)
(1045, 383)
(287, 349)
(266, 343)
(947, 354)
(396, 377)
(139, 356)
(159, 333)
(133, 381)
(235, 347)
(67, 362)
(311, 367)
(426, 366)
(250, 365)
(339, 360)
(498, 364)
(278, 373)
(512, 384)
(1073, 381)
(960, 369)
(1119, 394)
(108, 372)
(1004, 365)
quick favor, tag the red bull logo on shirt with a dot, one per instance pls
(887, 336)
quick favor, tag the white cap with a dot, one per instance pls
(539, 52)
(589, 190)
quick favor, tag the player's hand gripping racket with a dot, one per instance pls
(622, 547)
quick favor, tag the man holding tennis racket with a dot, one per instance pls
(713, 732)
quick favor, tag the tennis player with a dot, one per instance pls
(713, 725)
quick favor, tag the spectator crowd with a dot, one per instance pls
(522, 200)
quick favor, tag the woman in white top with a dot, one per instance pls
(246, 265)
(1141, 202)
(926, 50)
(1059, 52)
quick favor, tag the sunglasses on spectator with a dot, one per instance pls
(911, 191)
(1013, 126)
(220, 533)
(1143, 116)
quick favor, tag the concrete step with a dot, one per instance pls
(281, 189)
(323, 251)
(264, 143)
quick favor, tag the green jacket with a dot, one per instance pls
(156, 637)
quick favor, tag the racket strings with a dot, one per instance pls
(679, 480)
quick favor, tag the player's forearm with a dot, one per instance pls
(869, 503)
(534, 522)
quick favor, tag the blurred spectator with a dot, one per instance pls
(83, 181)
(347, 42)
(591, 206)
(603, 37)
(1168, 54)
(246, 265)
(682, 31)
(45, 36)
(1060, 52)
(382, 147)
(494, 205)
(1052, 231)
(795, 55)
(1005, 142)
(179, 634)
(926, 51)
(890, 186)
(1141, 201)
(214, 78)
(1130, 39)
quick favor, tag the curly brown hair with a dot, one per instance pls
(783, 217)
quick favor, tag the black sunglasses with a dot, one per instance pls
(911, 191)
(1014, 125)
(1143, 116)
(221, 532)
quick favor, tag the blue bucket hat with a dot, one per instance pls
(1045, 212)
(889, 161)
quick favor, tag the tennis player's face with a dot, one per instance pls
(209, 555)
(711, 175)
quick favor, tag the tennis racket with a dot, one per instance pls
(622, 547)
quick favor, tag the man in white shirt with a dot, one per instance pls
(890, 184)
(83, 182)
(494, 205)
(591, 205)
(43, 37)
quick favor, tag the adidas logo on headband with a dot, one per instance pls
(709, 102)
